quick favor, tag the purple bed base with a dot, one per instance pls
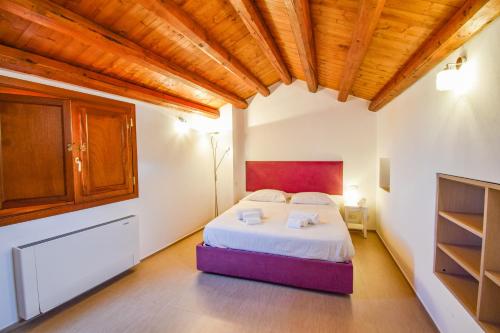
(297, 272)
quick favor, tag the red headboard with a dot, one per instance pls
(293, 177)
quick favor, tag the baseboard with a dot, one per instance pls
(410, 282)
(172, 243)
(13, 327)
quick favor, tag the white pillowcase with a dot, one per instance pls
(267, 196)
(312, 198)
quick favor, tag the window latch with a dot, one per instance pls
(78, 162)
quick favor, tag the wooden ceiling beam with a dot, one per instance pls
(29, 63)
(253, 20)
(299, 15)
(368, 17)
(57, 18)
(468, 20)
(180, 21)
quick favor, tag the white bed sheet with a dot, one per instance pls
(329, 240)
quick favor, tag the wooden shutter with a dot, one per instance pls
(105, 150)
(35, 161)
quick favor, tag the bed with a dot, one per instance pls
(316, 257)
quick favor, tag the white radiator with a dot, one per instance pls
(52, 271)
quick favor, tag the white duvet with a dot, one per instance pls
(328, 240)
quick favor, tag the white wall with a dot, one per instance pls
(239, 128)
(294, 124)
(424, 132)
(175, 172)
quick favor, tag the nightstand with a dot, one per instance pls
(356, 218)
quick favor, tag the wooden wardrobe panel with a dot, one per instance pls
(106, 149)
(35, 163)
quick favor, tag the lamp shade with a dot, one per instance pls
(351, 196)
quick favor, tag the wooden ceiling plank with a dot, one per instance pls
(180, 21)
(368, 17)
(57, 18)
(26, 36)
(253, 20)
(299, 15)
(467, 21)
(30, 63)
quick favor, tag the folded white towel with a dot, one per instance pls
(297, 222)
(250, 216)
(252, 220)
(311, 217)
(249, 212)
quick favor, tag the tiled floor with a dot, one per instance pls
(167, 294)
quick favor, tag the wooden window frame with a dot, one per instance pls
(16, 86)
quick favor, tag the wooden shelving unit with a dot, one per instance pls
(464, 288)
(470, 222)
(493, 276)
(467, 256)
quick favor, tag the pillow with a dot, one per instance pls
(312, 198)
(267, 196)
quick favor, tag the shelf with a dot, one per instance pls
(469, 222)
(464, 180)
(355, 226)
(489, 302)
(493, 276)
(464, 288)
(468, 257)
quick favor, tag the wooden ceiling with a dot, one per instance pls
(199, 54)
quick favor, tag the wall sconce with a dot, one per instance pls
(181, 125)
(449, 78)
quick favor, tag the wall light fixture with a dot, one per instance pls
(181, 125)
(449, 78)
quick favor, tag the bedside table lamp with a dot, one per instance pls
(355, 210)
(351, 196)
